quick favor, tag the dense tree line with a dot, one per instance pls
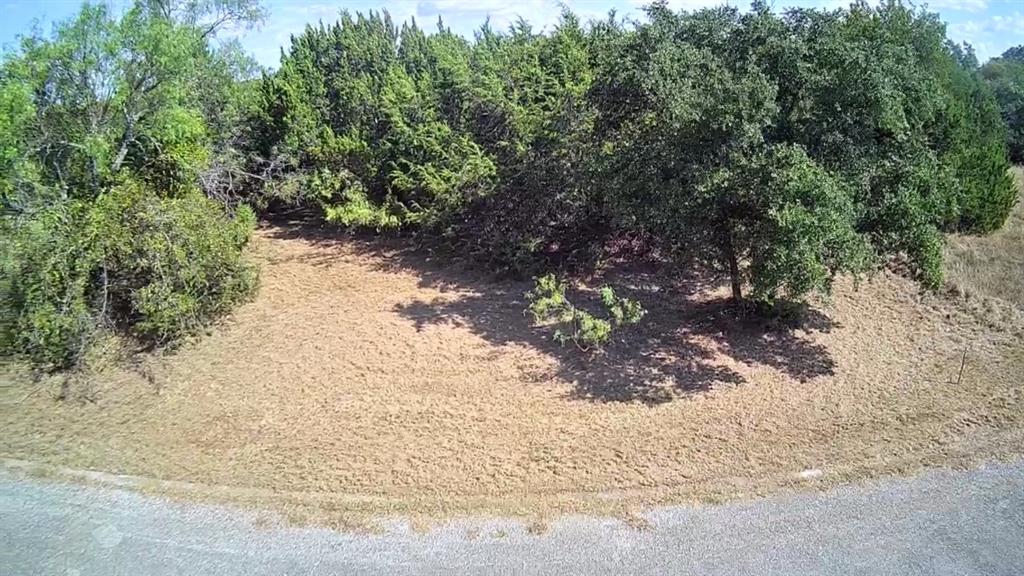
(780, 149)
(1005, 75)
(777, 150)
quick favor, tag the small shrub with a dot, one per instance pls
(547, 299)
(587, 331)
(622, 310)
(549, 305)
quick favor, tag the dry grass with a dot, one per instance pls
(367, 380)
(991, 266)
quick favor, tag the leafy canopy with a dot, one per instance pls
(108, 130)
(1005, 76)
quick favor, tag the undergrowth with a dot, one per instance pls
(550, 306)
(130, 262)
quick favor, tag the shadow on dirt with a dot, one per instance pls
(683, 346)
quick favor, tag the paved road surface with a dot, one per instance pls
(956, 523)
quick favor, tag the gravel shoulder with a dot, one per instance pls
(940, 523)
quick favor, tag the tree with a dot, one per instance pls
(1016, 53)
(872, 105)
(106, 129)
(698, 173)
(111, 92)
(776, 149)
(1005, 76)
(364, 129)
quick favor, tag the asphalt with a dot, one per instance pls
(958, 523)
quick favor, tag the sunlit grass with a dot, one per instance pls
(992, 265)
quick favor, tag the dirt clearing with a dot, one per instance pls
(370, 379)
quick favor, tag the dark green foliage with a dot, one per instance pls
(479, 145)
(157, 268)
(1005, 76)
(531, 115)
(779, 150)
(799, 224)
(365, 130)
(774, 149)
(900, 140)
(1016, 53)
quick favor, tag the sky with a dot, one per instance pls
(991, 26)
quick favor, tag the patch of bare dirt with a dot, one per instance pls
(366, 378)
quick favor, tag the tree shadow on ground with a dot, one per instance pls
(687, 343)
(674, 351)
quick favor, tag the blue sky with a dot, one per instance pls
(991, 26)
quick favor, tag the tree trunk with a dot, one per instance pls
(122, 152)
(734, 268)
(734, 274)
(126, 139)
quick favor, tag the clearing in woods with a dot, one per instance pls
(367, 379)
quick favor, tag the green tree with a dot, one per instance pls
(1015, 53)
(699, 175)
(872, 104)
(777, 149)
(106, 132)
(1005, 75)
(364, 129)
(103, 90)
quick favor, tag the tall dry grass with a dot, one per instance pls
(991, 266)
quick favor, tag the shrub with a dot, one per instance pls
(622, 310)
(47, 266)
(176, 152)
(549, 305)
(153, 268)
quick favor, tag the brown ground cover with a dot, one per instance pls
(991, 266)
(367, 378)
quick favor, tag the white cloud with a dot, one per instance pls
(1009, 23)
(984, 35)
(996, 24)
(965, 29)
(465, 14)
(958, 5)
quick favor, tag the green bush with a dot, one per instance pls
(622, 310)
(47, 266)
(176, 152)
(549, 306)
(150, 267)
(988, 192)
